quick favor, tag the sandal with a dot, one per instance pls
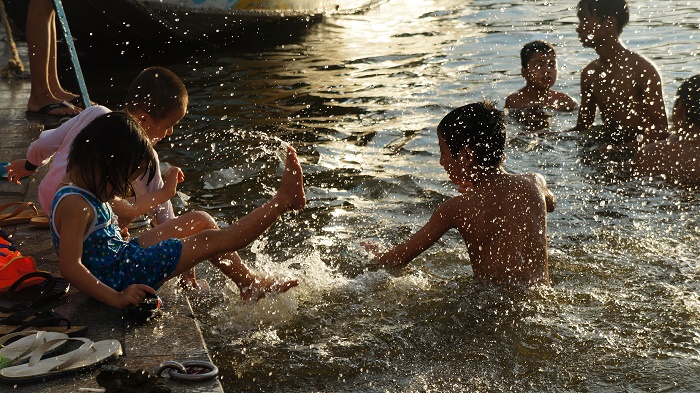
(46, 320)
(22, 344)
(88, 356)
(50, 289)
(23, 213)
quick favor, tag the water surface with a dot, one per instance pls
(359, 97)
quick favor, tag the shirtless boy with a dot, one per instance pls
(502, 217)
(539, 68)
(624, 85)
(676, 158)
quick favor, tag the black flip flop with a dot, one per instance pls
(48, 321)
(43, 112)
(52, 288)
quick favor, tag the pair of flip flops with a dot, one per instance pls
(41, 367)
(14, 213)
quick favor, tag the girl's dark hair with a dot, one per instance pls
(156, 91)
(480, 127)
(689, 94)
(602, 9)
(535, 47)
(109, 150)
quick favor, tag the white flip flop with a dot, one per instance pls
(89, 355)
(19, 351)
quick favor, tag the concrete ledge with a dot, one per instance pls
(174, 335)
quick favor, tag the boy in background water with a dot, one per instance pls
(625, 86)
(539, 68)
(677, 158)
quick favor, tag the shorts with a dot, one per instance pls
(150, 265)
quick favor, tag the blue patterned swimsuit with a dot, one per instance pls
(113, 261)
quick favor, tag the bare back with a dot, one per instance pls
(628, 91)
(503, 223)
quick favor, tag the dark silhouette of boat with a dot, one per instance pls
(125, 25)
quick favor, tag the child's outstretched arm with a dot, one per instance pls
(439, 223)
(71, 217)
(127, 210)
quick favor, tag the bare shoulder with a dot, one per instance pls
(534, 178)
(515, 100)
(564, 101)
(643, 67)
(540, 184)
(591, 68)
(73, 207)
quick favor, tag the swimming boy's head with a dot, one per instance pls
(593, 13)
(479, 127)
(686, 110)
(158, 99)
(109, 153)
(539, 64)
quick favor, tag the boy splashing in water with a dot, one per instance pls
(624, 85)
(502, 217)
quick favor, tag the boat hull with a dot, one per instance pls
(128, 26)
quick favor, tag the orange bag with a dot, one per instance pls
(13, 264)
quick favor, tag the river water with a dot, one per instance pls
(359, 97)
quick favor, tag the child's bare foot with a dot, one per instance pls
(291, 191)
(261, 287)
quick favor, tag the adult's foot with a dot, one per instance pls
(51, 106)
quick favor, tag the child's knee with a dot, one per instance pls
(201, 221)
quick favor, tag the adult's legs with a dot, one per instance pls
(41, 42)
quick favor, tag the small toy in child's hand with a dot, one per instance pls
(151, 302)
(149, 307)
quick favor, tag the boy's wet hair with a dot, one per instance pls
(533, 47)
(602, 9)
(108, 151)
(689, 94)
(156, 91)
(480, 127)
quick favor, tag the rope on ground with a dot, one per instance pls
(14, 67)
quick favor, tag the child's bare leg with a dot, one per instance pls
(251, 286)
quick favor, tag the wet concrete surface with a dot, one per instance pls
(172, 335)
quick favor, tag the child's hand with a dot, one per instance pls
(16, 171)
(173, 176)
(373, 248)
(133, 295)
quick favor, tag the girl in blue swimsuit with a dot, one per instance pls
(105, 157)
